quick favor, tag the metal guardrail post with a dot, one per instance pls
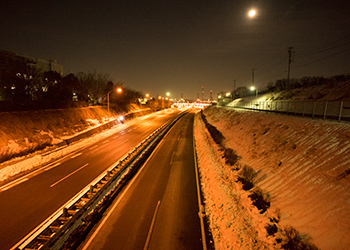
(303, 109)
(325, 111)
(340, 111)
(313, 110)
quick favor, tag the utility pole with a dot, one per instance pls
(253, 77)
(202, 93)
(289, 62)
(234, 88)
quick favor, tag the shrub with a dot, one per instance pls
(271, 229)
(215, 134)
(260, 200)
(295, 241)
(247, 177)
(230, 156)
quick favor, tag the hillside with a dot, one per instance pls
(328, 92)
(302, 168)
(25, 132)
(339, 91)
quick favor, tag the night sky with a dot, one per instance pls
(180, 46)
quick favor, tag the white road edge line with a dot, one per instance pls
(106, 141)
(74, 156)
(6, 187)
(150, 231)
(68, 175)
(172, 158)
(53, 166)
(28, 176)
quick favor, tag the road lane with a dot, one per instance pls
(159, 209)
(26, 205)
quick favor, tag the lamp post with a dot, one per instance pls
(119, 90)
(252, 88)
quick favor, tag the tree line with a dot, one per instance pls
(32, 89)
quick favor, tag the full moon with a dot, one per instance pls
(252, 13)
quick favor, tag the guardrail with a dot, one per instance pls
(325, 110)
(67, 227)
(102, 127)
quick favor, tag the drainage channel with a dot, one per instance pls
(68, 226)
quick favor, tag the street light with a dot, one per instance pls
(252, 88)
(119, 90)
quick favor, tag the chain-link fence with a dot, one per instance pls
(326, 110)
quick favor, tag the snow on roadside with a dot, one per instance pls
(303, 165)
(234, 221)
(26, 163)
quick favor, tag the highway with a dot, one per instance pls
(25, 205)
(159, 207)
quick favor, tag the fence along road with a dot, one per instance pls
(334, 110)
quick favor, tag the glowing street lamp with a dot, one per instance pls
(252, 88)
(119, 90)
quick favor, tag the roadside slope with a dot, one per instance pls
(303, 165)
(27, 131)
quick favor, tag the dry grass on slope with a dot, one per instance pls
(302, 164)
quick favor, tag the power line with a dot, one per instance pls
(321, 59)
(323, 50)
(273, 66)
(325, 47)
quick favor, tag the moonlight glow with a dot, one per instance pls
(252, 13)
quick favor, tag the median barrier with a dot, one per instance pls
(67, 228)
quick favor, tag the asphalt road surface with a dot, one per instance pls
(25, 205)
(159, 208)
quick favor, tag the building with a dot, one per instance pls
(10, 62)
